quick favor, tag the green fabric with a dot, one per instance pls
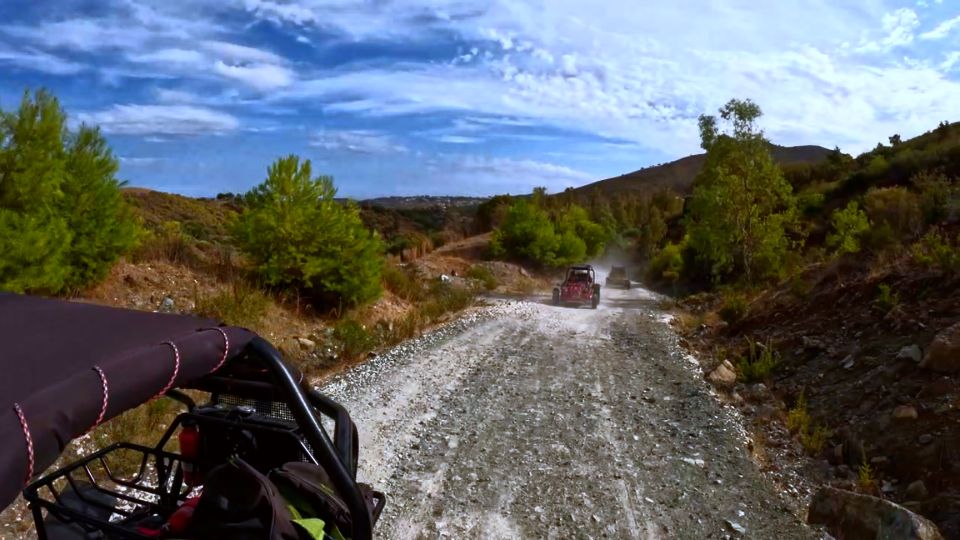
(313, 526)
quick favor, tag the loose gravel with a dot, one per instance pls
(525, 420)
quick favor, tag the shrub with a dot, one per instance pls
(897, 207)
(886, 298)
(813, 437)
(240, 305)
(298, 236)
(734, 307)
(353, 338)
(529, 233)
(934, 250)
(402, 283)
(939, 195)
(759, 363)
(63, 220)
(167, 243)
(848, 225)
(484, 276)
(442, 298)
(667, 264)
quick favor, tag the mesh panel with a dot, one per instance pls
(265, 409)
(272, 410)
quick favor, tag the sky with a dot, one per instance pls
(470, 97)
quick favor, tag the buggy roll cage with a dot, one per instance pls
(337, 457)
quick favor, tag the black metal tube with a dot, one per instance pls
(317, 437)
(345, 433)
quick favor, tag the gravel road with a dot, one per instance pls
(524, 420)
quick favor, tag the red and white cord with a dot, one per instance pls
(29, 440)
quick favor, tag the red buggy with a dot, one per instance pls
(579, 287)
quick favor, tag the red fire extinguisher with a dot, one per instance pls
(190, 452)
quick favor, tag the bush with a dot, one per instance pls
(484, 276)
(298, 236)
(402, 283)
(759, 363)
(667, 265)
(848, 225)
(934, 250)
(813, 437)
(529, 233)
(241, 305)
(896, 207)
(886, 298)
(734, 307)
(353, 338)
(63, 219)
(442, 298)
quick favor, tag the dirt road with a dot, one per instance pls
(526, 420)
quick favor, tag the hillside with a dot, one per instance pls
(678, 175)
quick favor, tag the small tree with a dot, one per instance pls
(848, 225)
(298, 236)
(742, 206)
(63, 220)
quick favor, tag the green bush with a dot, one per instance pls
(353, 338)
(484, 276)
(667, 264)
(734, 307)
(759, 364)
(886, 298)
(555, 238)
(897, 207)
(849, 225)
(63, 219)
(298, 236)
(934, 250)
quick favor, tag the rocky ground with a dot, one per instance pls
(524, 420)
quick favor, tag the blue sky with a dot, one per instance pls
(470, 96)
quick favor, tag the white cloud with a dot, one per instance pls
(459, 139)
(259, 76)
(171, 120)
(186, 57)
(943, 29)
(474, 174)
(39, 61)
(357, 142)
(898, 30)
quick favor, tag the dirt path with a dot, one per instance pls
(524, 420)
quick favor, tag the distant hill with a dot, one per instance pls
(678, 175)
(419, 202)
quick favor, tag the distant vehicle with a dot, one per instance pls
(579, 287)
(618, 278)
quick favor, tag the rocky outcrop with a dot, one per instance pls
(943, 354)
(853, 516)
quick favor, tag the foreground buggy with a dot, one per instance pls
(579, 287)
(253, 461)
(618, 278)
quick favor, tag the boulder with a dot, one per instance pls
(306, 344)
(943, 353)
(853, 516)
(917, 491)
(910, 352)
(723, 376)
(905, 412)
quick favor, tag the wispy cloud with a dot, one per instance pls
(171, 120)
(357, 142)
(39, 61)
(943, 29)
